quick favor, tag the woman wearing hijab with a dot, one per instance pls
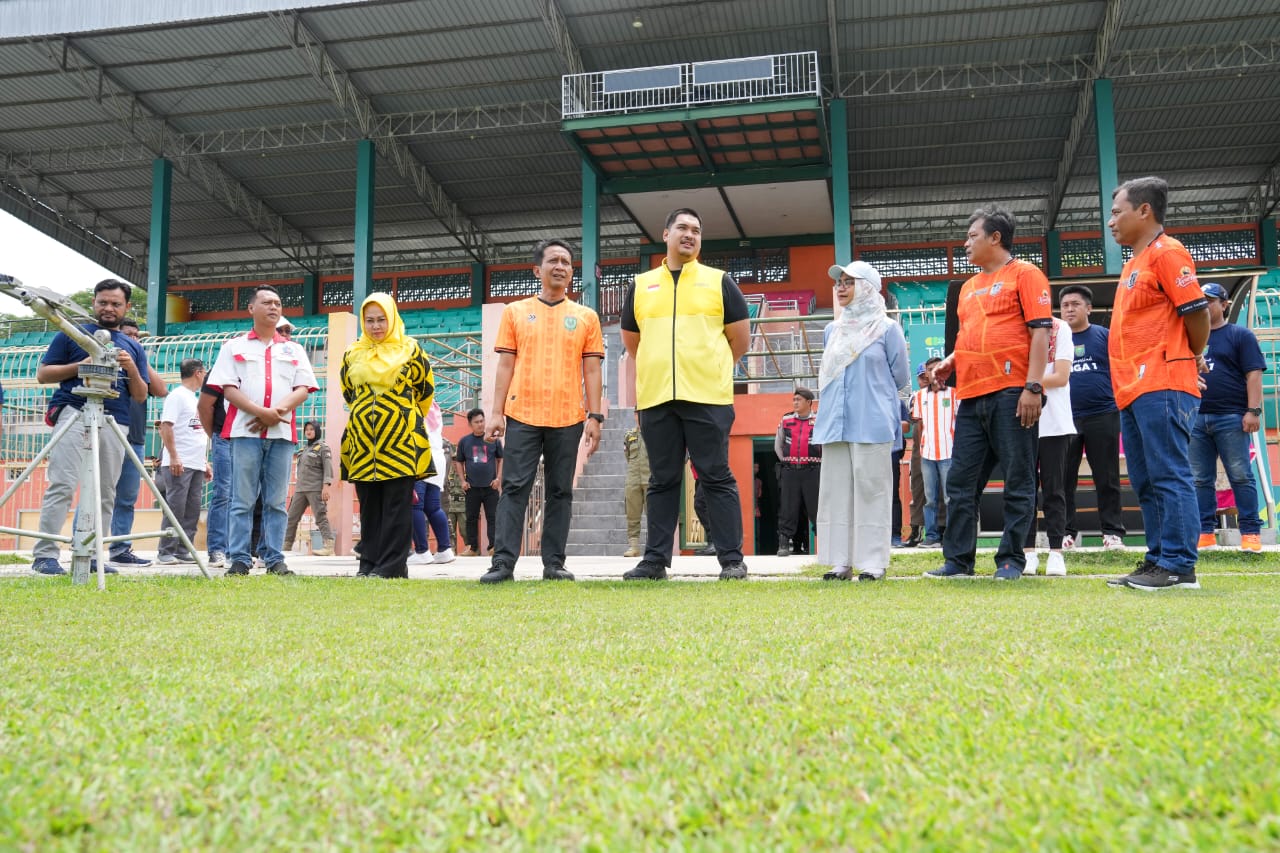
(426, 501)
(388, 387)
(315, 473)
(864, 363)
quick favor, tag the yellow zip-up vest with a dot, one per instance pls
(683, 353)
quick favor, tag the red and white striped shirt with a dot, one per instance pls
(936, 412)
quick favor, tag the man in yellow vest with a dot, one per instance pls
(686, 325)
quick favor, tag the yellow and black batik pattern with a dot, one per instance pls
(386, 434)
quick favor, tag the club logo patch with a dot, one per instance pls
(571, 323)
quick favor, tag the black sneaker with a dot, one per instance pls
(1158, 579)
(279, 569)
(556, 573)
(843, 574)
(784, 551)
(127, 560)
(647, 571)
(498, 574)
(709, 551)
(1145, 566)
(863, 577)
(1008, 572)
(238, 569)
(949, 570)
(733, 572)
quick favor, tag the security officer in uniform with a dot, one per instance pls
(454, 498)
(637, 486)
(799, 475)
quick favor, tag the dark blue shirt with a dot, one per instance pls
(1091, 392)
(1233, 352)
(63, 350)
(479, 459)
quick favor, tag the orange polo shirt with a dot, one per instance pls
(997, 311)
(549, 343)
(1148, 342)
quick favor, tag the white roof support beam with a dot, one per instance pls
(558, 29)
(357, 106)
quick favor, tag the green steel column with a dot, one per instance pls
(1053, 253)
(590, 237)
(362, 278)
(840, 181)
(310, 293)
(1270, 253)
(1104, 119)
(477, 285)
(158, 247)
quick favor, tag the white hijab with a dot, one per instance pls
(862, 323)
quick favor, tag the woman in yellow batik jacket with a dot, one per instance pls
(388, 386)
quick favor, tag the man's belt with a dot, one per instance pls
(809, 463)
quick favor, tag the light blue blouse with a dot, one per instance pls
(862, 407)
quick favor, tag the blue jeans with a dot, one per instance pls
(934, 472)
(1157, 432)
(220, 502)
(988, 433)
(1213, 436)
(126, 496)
(258, 465)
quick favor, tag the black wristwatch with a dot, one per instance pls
(1257, 411)
(596, 416)
(1033, 387)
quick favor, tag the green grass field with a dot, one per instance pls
(328, 713)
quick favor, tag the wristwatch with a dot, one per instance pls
(1257, 411)
(596, 416)
(1033, 387)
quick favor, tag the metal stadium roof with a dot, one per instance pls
(951, 103)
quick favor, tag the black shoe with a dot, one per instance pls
(949, 570)
(914, 539)
(238, 569)
(845, 574)
(733, 572)
(556, 573)
(784, 551)
(647, 571)
(709, 551)
(1144, 567)
(867, 576)
(498, 574)
(1159, 579)
(279, 569)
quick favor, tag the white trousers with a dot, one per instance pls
(855, 505)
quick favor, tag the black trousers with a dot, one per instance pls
(557, 448)
(798, 498)
(895, 482)
(478, 496)
(1098, 437)
(1052, 454)
(670, 431)
(386, 526)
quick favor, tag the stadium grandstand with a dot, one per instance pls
(422, 147)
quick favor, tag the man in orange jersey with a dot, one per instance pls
(1159, 328)
(550, 349)
(999, 359)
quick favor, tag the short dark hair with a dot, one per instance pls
(995, 220)
(681, 211)
(933, 359)
(474, 413)
(258, 288)
(541, 249)
(1076, 290)
(1149, 190)
(189, 366)
(130, 322)
(802, 391)
(114, 284)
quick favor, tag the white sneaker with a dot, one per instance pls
(445, 556)
(1055, 566)
(1033, 564)
(217, 560)
(1111, 542)
(419, 559)
(1068, 543)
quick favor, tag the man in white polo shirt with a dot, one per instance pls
(263, 377)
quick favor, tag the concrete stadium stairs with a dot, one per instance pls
(599, 526)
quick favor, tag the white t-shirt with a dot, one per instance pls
(188, 436)
(1056, 417)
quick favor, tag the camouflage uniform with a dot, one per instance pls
(453, 500)
(637, 485)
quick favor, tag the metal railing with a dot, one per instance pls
(690, 84)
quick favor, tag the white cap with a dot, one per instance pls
(856, 269)
(284, 321)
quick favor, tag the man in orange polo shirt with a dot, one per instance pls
(1159, 329)
(1000, 354)
(550, 351)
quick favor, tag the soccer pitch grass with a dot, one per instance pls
(269, 713)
